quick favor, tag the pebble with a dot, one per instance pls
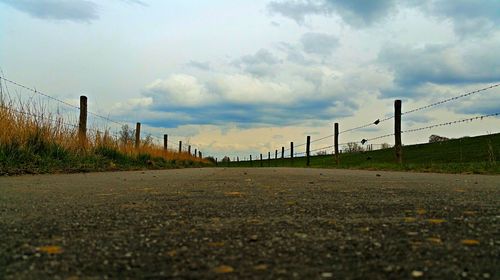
(327, 275)
(417, 273)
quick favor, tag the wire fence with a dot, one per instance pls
(325, 145)
(30, 102)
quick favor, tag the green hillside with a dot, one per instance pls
(479, 154)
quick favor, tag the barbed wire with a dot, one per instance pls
(38, 116)
(40, 93)
(322, 138)
(451, 99)
(452, 122)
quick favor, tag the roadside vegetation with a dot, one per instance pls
(33, 141)
(479, 155)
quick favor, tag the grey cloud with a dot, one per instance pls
(77, 10)
(296, 9)
(319, 43)
(468, 16)
(442, 65)
(354, 12)
(259, 64)
(199, 65)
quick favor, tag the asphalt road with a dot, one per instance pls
(250, 223)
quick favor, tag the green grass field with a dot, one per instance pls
(479, 154)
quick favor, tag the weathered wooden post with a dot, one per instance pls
(336, 142)
(165, 142)
(275, 154)
(216, 162)
(82, 124)
(260, 160)
(251, 163)
(180, 147)
(137, 135)
(308, 150)
(283, 156)
(268, 159)
(397, 132)
(195, 152)
(189, 150)
(200, 154)
(291, 153)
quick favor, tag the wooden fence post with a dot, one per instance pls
(216, 162)
(275, 154)
(336, 142)
(397, 132)
(195, 152)
(268, 159)
(251, 163)
(165, 142)
(189, 150)
(283, 156)
(180, 147)
(291, 153)
(200, 154)
(260, 160)
(137, 135)
(308, 149)
(82, 124)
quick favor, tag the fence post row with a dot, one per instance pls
(308, 149)
(82, 124)
(137, 135)
(397, 132)
(336, 142)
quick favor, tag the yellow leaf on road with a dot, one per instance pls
(421, 211)
(435, 240)
(50, 249)
(436, 221)
(233, 194)
(216, 244)
(470, 242)
(223, 269)
(410, 219)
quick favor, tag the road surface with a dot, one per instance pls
(274, 223)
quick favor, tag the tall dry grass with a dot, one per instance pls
(29, 131)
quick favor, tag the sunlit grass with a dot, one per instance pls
(33, 140)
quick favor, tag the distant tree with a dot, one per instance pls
(126, 135)
(436, 138)
(353, 147)
(385, 146)
(148, 141)
(211, 159)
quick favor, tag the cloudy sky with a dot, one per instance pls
(237, 76)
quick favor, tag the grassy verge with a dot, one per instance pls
(34, 142)
(465, 155)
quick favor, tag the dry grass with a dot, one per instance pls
(30, 135)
